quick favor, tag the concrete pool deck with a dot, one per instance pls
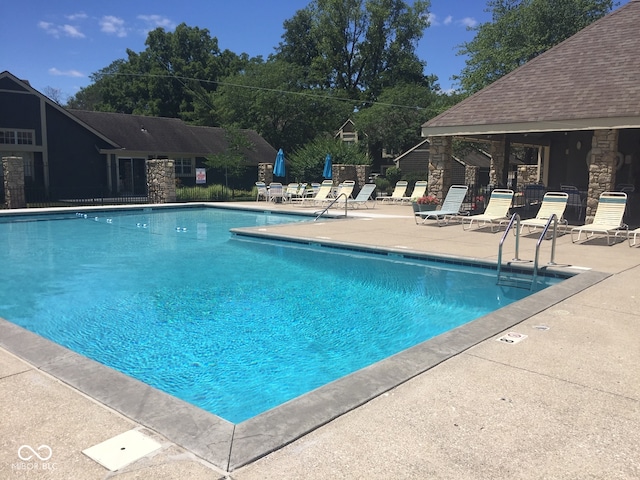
(562, 403)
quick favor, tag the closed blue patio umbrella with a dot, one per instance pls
(326, 173)
(279, 168)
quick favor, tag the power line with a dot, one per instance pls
(253, 87)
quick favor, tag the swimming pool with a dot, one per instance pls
(232, 325)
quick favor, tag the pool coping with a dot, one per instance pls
(229, 446)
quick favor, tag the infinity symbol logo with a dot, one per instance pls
(43, 449)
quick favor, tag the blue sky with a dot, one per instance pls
(59, 43)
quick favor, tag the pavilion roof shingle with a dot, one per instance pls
(591, 76)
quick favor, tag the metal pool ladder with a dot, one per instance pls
(346, 201)
(525, 281)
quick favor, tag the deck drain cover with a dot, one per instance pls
(512, 337)
(543, 328)
(121, 450)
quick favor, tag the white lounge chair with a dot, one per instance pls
(633, 234)
(419, 190)
(553, 203)
(290, 192)
(608, 218)
(345, 189)
(276, 192)
(363, 197)
(263, 192)
(323, 193)
(398, 193)
(450, 207)
(497, 210)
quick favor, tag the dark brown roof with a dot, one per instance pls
(168, 136)
(589, 81)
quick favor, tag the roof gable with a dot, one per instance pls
(588, 81)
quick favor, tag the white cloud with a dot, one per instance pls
(432, 19)
(69, 73)
(468, 22)
(113, 26)
(71, 31)
(154, 21)
(60, 30)
(77, 16)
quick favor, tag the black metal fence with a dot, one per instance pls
(476, 199)
(36, 197)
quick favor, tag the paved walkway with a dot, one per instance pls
(563, 403)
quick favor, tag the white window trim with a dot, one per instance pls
(182, 160)
(31, 134)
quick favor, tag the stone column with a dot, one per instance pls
(527, 174)
(161, 181)
(497, 150)
(265, 172)
(440, 163)
(363, 172)
(602, 167)
(472, 175)
(14, 195)
(341, 172)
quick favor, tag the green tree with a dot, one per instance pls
(356, 47)
(307, 162)
(176, 71)
(269, 97)
(394, 122)
(521, 30)
(231, 161)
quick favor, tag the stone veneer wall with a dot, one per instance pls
(527, 174)
(497, 152)
(265, 172)
(13, 168)
(602, 167)
(357, 173)
(471, 175)
(161, 181)
(440, 166)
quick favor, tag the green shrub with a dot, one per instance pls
(213, 193)
(393, 174)
(383, 185)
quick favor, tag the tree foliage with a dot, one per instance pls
(521, 30)
(355, 46)
(308, 162)
(167, 79)
(395, 121)
(270, 98)
(337, 57)
(231, 161)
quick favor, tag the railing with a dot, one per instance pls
(521, 282)
(346, 201)
(36, 197)
(554, 219)
(514, 218)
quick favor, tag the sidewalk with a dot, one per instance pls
(562, 403)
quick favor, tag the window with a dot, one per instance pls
(16, 137)
(184, 167)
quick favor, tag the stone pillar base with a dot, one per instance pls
(14, 195)
(161, 181)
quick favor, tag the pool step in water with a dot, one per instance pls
(515, 280)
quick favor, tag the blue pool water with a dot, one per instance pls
(232, 325)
